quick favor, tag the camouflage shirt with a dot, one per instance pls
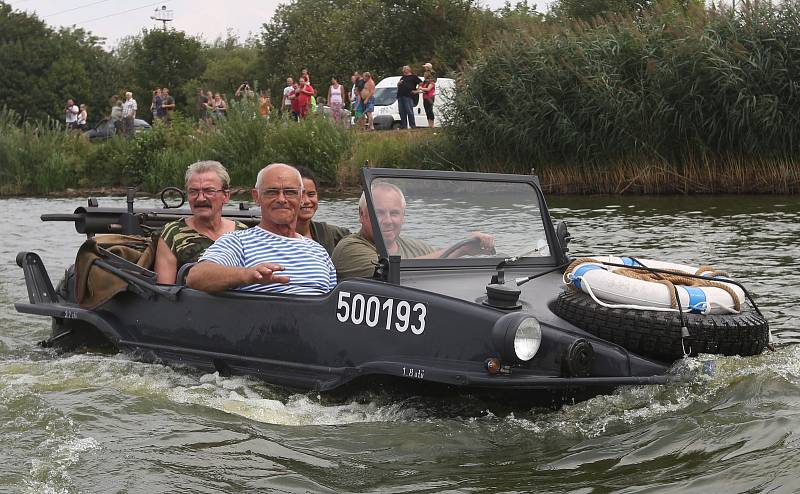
(187, 243)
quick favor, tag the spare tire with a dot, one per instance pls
(658, 335)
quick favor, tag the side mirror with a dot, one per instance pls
(563, 236)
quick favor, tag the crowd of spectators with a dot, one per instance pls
(298, 100)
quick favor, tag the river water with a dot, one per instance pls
(106, 423)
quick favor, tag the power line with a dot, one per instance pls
(122, 12)
(74, 8)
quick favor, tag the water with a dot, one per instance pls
(105, 423)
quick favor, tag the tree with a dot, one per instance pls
(336, 37)
(161, 58)
(43, 68)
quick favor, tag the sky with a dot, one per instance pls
(116, 19)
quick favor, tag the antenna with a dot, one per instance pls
(163, 15)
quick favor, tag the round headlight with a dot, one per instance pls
(527, 339)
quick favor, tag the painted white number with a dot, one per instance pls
(358, 309)
(388, 306)
(343, 305)
(373, 311)
(389, 314)
(418, 329)
(404, 314)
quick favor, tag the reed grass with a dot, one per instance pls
(666, 86)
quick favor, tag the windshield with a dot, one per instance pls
(385, 96)
(489, 220)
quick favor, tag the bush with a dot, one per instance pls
(37, 158)
(664, 86)
(316, 142)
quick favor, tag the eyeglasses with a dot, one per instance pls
(274, 193)
(208, 192)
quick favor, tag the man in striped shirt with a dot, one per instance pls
(272, 256)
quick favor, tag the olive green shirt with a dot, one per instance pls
(327, 235)
(356, 257)
(186, 243)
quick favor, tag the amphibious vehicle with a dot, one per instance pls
(488, 323)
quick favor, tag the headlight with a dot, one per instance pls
(517, 336)
(527, 339)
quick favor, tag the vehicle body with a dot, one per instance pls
(467, 324)
(387, 113)
(105, 129)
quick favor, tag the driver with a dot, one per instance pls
(356, 255)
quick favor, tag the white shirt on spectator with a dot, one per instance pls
(72, 114)
(129, 108)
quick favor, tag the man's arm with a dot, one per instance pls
(166, 264)
(211, 277)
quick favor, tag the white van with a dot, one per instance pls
(387, 115)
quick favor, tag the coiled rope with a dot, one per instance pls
(666, 278)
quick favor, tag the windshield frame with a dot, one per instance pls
(369, 175)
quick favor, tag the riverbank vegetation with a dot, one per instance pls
(608, 96)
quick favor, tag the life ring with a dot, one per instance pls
(646, 324)
(619, 288)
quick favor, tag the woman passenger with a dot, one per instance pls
(323, 233)
(184, 241)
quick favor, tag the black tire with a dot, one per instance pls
(658, 334)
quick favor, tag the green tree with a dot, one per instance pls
(43, 68)
(161, 58)
(339, 36)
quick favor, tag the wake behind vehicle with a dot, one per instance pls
(494, 323)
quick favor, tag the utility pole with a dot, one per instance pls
(162, 15)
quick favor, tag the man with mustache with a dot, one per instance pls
(184, 241)
(272, 256)
(356, 255)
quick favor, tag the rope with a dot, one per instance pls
(678, 278)
(668, 279)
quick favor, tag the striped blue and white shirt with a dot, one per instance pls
(307, 264)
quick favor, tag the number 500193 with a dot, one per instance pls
(386, 313)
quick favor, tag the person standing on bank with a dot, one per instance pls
(336, 101)
(185, 240)
(428, 91)
(167, 106)
(406, 87)
(128, 114)
(323, 233)
(71, 112)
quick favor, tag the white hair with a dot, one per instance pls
(209, 166)
(362, 201)
(260, 177)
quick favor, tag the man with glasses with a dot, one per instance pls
(356, 255)
(185, 240)
(272, 256)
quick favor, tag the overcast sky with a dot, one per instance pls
(115, 19)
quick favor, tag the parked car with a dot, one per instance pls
(387, 114)
(105, 129)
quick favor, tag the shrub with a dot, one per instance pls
(667, 85)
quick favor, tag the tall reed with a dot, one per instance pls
(668, 86)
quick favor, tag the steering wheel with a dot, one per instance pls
(467, 241)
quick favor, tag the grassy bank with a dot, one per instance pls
(43, 159)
